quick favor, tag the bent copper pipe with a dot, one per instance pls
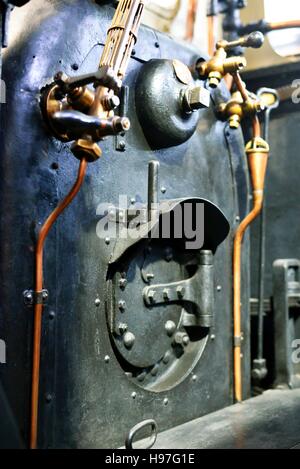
(276, 26)
(38, 309)
(257, 165)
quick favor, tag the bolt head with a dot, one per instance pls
(198, 98)
(151, 296)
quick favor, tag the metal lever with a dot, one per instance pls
(254, 40)
(76, 124)
(104, 76)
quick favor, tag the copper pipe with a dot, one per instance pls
(240, 86)
(257, 160)
(191, 19)
(38, 309)
(275, 26)
(212, 22)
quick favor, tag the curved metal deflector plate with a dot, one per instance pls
(215, 225)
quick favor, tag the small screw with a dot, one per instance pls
(106, 359)
(97, 302)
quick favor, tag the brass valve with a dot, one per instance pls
(236, 109)
(220, 64)
(73, 111)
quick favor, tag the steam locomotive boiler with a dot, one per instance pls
(124, 184)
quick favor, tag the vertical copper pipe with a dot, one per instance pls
(212, 24)
(257, 165)
(38, 309)
(191, 19)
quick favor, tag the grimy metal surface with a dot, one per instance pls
(269, 421)
(86, 398)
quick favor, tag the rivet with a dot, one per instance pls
(213, 337)
(107, 241)
(166, 358)
(150, 276)
(156, 44)
(170, 328)
(122, 305)
(219, 288)
(133, 395)
(129, 339)
(122, 283)
(142, 377)
(122, 145)
(97, 302)
(237, 219)
(51, 315)
(106, 359)
(194, 378)
(163, 190)
(166, 296)
(155, 370)
(48, 398)
(132, 201)
(180, 292)
(166, 401)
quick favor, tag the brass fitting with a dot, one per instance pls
(87, 149)
(218, 66)
(258, 152)
(236, 109)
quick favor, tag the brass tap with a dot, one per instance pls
(215, 69)
(237, 108)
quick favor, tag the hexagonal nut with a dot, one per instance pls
(198, 98)
(86, 149)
